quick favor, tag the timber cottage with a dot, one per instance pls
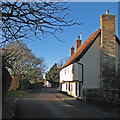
(95, 63)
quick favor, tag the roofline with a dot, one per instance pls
(83, 52)
(117, 39)
(86, 49)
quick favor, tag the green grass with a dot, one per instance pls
(8, 109)
(19, 93)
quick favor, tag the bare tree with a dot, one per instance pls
(37, 18)
(13, 52)
(62, 61)
(25, 65)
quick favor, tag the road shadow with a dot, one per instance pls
(111, 109)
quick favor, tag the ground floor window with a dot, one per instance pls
(78, 89)
(71, 88)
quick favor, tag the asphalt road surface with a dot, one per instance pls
(48, 103)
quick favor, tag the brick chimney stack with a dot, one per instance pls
(107, 25)
(78, 43)
(107, 45)
(72, 50)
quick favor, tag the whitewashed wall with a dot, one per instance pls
(48, 84)
(68, 75)
(64, 87)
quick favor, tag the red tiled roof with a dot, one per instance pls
(82, 49)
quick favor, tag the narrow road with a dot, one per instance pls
(48, 104)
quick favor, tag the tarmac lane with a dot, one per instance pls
(42, 104)
(48, 103)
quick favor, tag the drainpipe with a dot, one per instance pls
(82, 71)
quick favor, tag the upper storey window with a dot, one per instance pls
(65, 71)
(73, 68)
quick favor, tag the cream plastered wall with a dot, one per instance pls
(91, 62)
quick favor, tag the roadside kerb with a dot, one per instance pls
(64, 98)
(17, 99)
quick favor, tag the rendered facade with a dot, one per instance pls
(95, 63)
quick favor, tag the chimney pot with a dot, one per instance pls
(80, 36)
(78, 43)
(72, 50)
(107, 12)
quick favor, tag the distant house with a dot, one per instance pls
(95, 63)
(47, 83)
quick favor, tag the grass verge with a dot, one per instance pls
(18, 93)
(8, 109)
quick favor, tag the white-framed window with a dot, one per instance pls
(68, 70)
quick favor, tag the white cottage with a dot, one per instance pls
(86, 68)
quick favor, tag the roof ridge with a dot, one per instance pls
(82, 49)
(89, 38)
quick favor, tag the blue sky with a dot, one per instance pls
(87, 13)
